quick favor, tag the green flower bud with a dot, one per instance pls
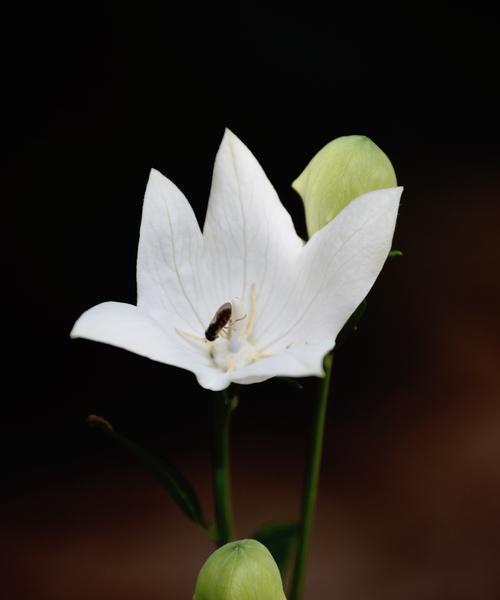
(344, 169)
(243, 570)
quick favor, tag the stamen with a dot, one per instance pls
(258, 355)
(192, 336)
(253, 307)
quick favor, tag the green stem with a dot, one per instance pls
(310, 491)
(224, 404)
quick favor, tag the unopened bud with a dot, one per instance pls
(243, 570)
(341, 171)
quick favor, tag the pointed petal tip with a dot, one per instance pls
(80, 327)
(397, 190)
(231, 139)
(156, 176)
(390, 195)
(75, 333)
(154, 173)
(229, 133)
(396, 194)
(160, 182)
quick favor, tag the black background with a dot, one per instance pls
(95, 98)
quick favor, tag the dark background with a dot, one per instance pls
(409, 494)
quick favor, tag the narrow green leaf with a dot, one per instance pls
(280, 538)
(395, 253)
(179, 488)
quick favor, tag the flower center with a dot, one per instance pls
(233, 349)
(229, 335)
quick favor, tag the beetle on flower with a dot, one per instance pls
(285, 300)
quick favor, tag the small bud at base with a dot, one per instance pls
(242, 570)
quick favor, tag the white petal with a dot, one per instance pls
(336, 270)
(249, 236)
(127, 327)
(302, 360)
(168, 260)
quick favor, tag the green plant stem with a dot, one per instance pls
(310, 490)
(223, 406)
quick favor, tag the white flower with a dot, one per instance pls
(288, 300)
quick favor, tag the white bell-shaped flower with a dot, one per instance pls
(247, 299)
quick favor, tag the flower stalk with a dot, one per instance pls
(223, 406)
(310, 489)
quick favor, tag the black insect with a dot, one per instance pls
(220, 320)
